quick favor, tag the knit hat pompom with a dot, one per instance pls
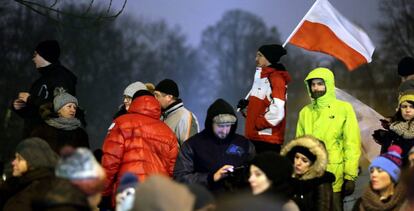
(273, 52)
(389, 162)
(168, 86)
(406, 66)
(49, 50)
(62, 98)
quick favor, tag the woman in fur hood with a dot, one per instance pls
(312, 184)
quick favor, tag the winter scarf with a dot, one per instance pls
(64, 123)
(404, 129)
(371, 200)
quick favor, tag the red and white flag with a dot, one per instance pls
(325, 30)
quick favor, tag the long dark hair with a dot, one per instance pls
(398, 116)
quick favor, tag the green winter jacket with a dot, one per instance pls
(334, 122)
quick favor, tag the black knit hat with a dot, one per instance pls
(49, 50)
(168, 86)
(302, 150)
(37, 153)
(406, 66)
(277, 168)
(272, 52)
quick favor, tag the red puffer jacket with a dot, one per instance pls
(138, 142)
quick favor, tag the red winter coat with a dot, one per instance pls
(266, 113)
(138, 142)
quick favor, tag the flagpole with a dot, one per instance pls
(300, 24)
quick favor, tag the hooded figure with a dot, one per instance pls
(334, 123)
(138, 142)
(312, 184)
(205, 154)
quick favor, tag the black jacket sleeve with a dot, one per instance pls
(184, 168)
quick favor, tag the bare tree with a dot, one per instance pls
(397, 29)
(229, 48)
(91, 13)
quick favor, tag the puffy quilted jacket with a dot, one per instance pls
(334, 122)
(138, 142)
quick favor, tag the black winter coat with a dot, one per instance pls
(314, 194)
(18, 193)
(204, 153)
(400, 133)
(58, 138)
(41, 92)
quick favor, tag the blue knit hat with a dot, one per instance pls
(389, 162)
(128, 180)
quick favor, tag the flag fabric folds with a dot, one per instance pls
(325, 30)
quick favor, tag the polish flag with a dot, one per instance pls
(325, 30)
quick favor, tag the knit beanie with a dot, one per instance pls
(277, 168)
(161, 193)
(272, 52)
(128, 180)
(406, 66)
(37, 153)
(168, 86)
(49, 50)
(81, 168)
(62, 98)
(407, 95)
(302, 150)
(134, 87)
(125, 195)
(389, 162)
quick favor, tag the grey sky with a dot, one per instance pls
(193, 16)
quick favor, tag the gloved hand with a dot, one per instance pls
(381, 136)
(243, 103)
(385, 123)
(348, 187)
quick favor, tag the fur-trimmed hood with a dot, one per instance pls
(317, 148)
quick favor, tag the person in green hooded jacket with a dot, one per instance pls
(334, 122)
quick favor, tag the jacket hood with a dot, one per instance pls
(146, 105)
(220, 106)
(316, 147)
(328, 77)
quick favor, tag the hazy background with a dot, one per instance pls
(207, 47)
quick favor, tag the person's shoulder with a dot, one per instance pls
(343, 104)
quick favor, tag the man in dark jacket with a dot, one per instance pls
(52, 75)
(213, 156)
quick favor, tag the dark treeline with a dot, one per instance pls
(107, 56)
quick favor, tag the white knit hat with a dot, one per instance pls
(134, 87)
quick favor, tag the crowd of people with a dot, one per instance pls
(154, 156)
